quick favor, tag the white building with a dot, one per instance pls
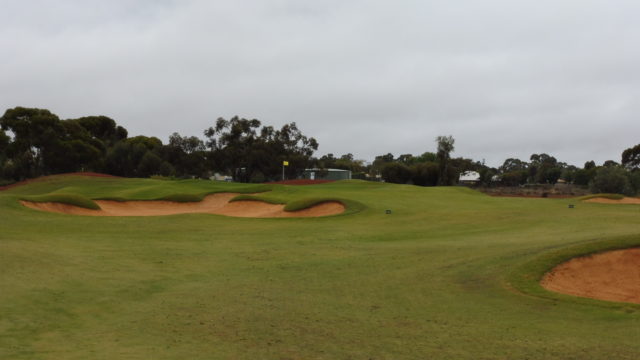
(469, 177)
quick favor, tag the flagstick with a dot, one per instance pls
(284, 163)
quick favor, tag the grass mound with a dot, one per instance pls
(184, 197)
(172, 197)
(112, 198)
(245, 197)
(602, 196)
(69, 199)
(255, 188)
(351, 206)
(306, 203)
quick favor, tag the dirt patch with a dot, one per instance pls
(626, 200)
(301, 182)
(213, 204)
(612, 276)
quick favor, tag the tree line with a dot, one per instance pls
(36, 142)
(438, 168)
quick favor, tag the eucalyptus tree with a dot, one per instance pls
(252, 152)
(631, 158)
(445, 147)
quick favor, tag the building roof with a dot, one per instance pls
(469, 176)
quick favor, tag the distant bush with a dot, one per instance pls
(514, 178)
(584, 176)
(160, 177)
(4, 182)
(634, 179)
(425, 174)
(396, 173)
(613, 179)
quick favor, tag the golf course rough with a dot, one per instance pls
(449, 274)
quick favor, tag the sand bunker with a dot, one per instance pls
(613, 276)
(213, 204)
(626, 200)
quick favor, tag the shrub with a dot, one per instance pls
(396, 173)
(613, 179)
(584, 176)
(514, 178)
(149, 165)
(166, 169)
(425, 174)
(634, 178)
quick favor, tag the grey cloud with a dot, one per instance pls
(504, 78)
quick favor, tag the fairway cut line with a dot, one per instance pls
(611, 276)
(212, 204)
(625, 200)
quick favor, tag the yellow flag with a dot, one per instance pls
(285, 163)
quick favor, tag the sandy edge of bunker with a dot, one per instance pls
(218, 204)
(625, 200)
(612, 276)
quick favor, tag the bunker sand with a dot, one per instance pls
(626, 200)
(612, 276)
(212, 204)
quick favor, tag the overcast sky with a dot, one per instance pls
(505, 78)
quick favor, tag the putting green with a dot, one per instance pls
(449, 274)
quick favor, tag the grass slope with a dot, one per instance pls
(602, 196)
(301, 203)
(436, 278)
(69, 199)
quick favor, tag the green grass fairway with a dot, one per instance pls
(449, 274)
